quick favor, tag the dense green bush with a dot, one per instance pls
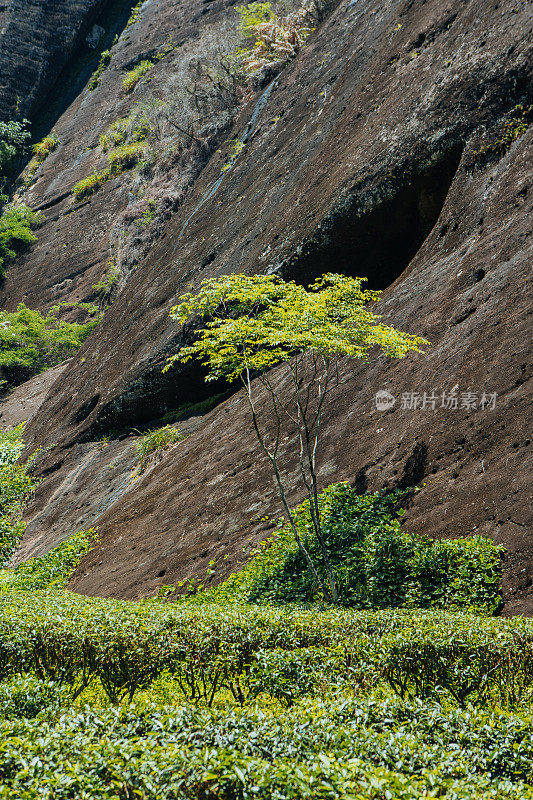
(340, 747)
(14, 137)
(31, 342)
(377, 564)
(16, 487)
(51, 571)
(27, 696)
(16, 231)
(211, 648)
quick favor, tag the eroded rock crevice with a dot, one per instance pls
(376, 235)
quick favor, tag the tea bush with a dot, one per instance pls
(26, 696)
(31, 342)
(213, 649)
(344, 748)
(344, 735)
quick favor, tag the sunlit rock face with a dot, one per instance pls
(381, 151)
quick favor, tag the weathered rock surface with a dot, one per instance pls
(74, 242)
(379, 153)
(37, 37)
(26, 400)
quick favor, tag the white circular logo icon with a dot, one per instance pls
(384, 400)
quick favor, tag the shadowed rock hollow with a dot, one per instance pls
(386, 149)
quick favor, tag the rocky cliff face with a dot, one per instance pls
(396, 146)
(37, 39)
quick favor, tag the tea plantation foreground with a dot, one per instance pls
(120, 700)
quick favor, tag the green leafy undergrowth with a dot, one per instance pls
(17, 223)
(377, 564)
(25, 697)
(112, 699)
(343, 742)
(14, 137)
(51, 571)
(17, 485)
(31, 342)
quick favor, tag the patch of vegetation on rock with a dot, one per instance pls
(31, 342)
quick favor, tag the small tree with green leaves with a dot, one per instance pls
(254, 323)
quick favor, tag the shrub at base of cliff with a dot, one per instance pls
(16, 231)
(31, 343)
(16, 488)
(255, 323)
(52, 571)
(376, 563)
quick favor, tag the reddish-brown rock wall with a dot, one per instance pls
(36, 40)
(377, 154)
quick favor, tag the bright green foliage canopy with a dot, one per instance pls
(16, 223)
(252, 323)
(31, 342)
(13, 138)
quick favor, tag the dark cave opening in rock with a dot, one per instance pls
(380, 242)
